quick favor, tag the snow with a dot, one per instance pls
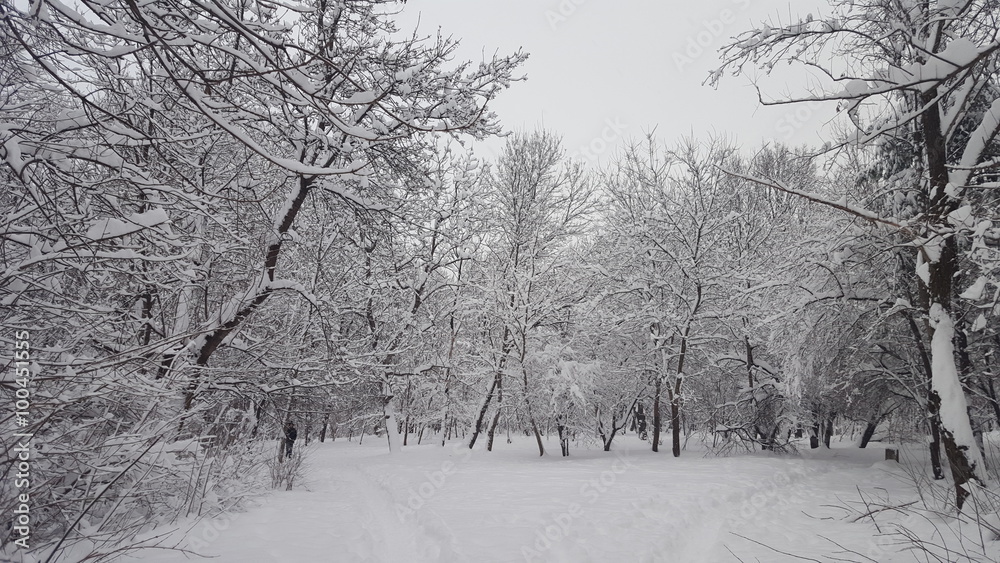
(944, 379)
(114, 227)
(360, 98)
(978, 142)
(975, 291)
(950, 6)
(960, 53)
(428, 503)
(962, 217)
(12, 154)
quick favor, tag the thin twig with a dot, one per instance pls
(899, 508)
(867, 507)
(733, 554)
(845, 550)
(776, 550)
(97, 498)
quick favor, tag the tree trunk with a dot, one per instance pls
(866, 436)
(531, 416)
(675, 423)
(491, 434)
(814, 436)
(965, 367)
(563, 436)
(657, 390)
(477, 426)
(615, 427)
(956, 430)
(322, 432)
(828, 431)
(606, 440)
(977, 434)
(991, 393)
(932, 400)
(256, 295)
(675, 393)
(258, 412)
(493, 427)
(391, 426)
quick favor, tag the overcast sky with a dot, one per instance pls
(609, 70)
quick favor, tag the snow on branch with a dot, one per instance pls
(842, 204)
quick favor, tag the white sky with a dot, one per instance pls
(595, 63)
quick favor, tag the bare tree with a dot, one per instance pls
(541, 201)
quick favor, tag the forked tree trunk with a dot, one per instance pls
(531, 415)
(391, 425)
(492, 432)
(563, 436)
(477, 425)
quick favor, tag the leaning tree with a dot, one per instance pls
(157, 159)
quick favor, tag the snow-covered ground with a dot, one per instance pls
(428, 503)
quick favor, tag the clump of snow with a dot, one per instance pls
(114, 227)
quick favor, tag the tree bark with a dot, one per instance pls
(477, 426)
(870, 428)
(942, 263)
(657, 391)
(933, 401)
(991, 393)
(675, 422)
(391, 425)
(563, 436)
(531, 416)
(491, 434)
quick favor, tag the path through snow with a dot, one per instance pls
(431, 504)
